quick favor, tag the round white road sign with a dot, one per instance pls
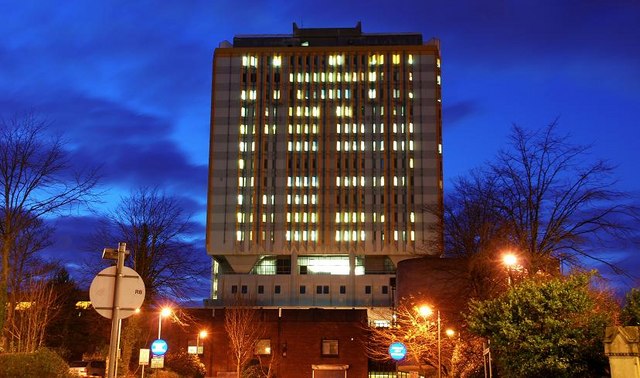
(132, 292)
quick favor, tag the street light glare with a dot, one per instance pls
(449, 332)
(203, 334)
(510, 259)
(165, 312)
(425, 311)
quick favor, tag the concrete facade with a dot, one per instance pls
(326, 148)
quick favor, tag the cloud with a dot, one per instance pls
(454, 113)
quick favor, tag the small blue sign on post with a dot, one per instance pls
(159, 347)
(397, 351)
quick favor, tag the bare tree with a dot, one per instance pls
(475, 231)
(156, 230)
(543, 198)
(36, 179)
(244, 329)
(419, 334)
(35, 306)
(555, 201)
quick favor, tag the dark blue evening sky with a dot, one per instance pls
(128, 82)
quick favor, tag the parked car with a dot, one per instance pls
(88, 368)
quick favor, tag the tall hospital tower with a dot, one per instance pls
(326, 149)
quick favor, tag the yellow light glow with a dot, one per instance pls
(510, 259)
(425, 311)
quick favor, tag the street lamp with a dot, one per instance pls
(426, 311)
(163, 314)
(509, 260)
(201, 335)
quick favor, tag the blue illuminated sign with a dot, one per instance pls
(159, 347)
(397, 351)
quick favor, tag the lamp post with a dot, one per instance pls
(163, 313)
(426, 311)
(509, 260)
(201, 335)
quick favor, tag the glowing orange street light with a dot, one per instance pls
(201, 335)
(509, 260)
(426, 311)
(166, 311)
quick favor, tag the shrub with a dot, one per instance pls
(186, 365)
(43, 363)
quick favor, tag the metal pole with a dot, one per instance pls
(159, 324)
(439, 349)
(115, 312)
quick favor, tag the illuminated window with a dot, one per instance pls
(263, 347)
(410, 59)
(239, 199)
(276, 61)
(396, 59)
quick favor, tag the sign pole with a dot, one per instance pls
(115, 314)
